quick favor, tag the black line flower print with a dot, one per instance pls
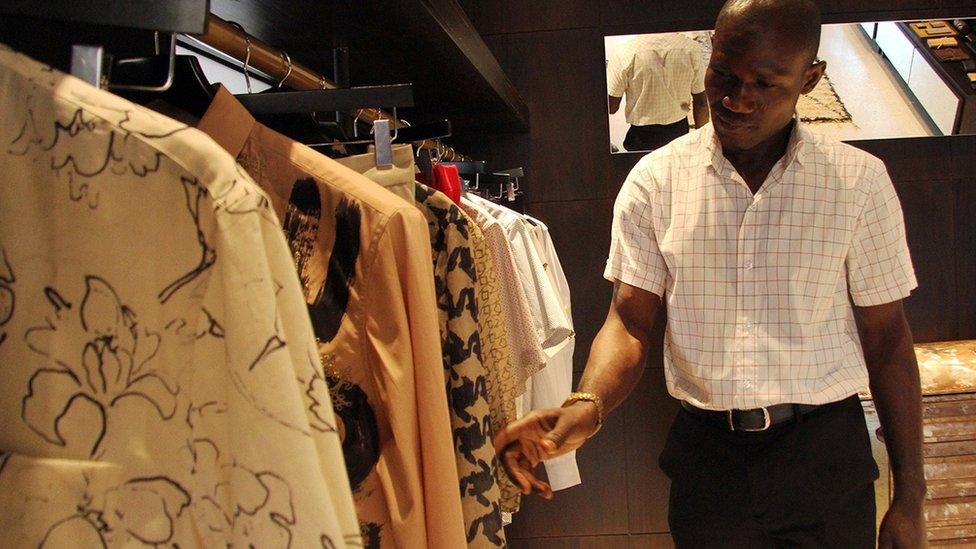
(7, 295)
(140, 512)
(83, 150)
(195, 195)
(238, 503)
(102, 356)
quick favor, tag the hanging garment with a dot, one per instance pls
(552, 327)
(448, 181)
(464, 369)
(527, 353)
(159, 384)
(363, 257)
(495, 352)
(550, 387)
(455, 279)
(398, 178)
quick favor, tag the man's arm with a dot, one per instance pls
(614, 103)
(699, 107)
(619, 350)
(895, 387)
(614, 366)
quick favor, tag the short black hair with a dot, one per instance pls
(798, 19)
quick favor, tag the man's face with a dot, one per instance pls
(753, 82)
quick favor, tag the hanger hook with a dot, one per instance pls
(355, 123)
(247, 54)
(288, 70)
(247, 61)
(394, 121)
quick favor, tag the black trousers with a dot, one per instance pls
(655, 136)
(803, 484)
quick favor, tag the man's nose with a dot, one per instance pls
(741, 100)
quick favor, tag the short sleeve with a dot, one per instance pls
(618, 71)
(697, 69)
(879, 267)
(635, 257)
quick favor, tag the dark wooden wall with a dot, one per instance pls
(553, 51)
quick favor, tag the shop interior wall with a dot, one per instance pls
(553, 52)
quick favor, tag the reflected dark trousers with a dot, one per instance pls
(808, 483)
(655, 136)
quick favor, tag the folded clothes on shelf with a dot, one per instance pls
(951, 54)
(943, 42)
(928, 29)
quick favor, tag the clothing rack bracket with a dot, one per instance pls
(86, 63)
(339, 99)
(383, 143)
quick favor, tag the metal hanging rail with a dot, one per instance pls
(277, 64)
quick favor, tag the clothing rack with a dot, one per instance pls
(278, 65)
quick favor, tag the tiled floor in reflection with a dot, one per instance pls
(868, 87)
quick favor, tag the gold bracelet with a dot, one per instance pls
(588, 397)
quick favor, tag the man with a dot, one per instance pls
(759, 236)
(662, 76)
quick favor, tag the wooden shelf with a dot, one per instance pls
(171, 15)
(429, 43)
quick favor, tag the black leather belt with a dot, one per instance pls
(754, 420)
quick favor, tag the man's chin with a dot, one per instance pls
(732, 142)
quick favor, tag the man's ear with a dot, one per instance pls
(812, 76)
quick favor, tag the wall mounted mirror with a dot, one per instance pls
(884, 80)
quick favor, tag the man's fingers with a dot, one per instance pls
(505, 436)
(538, 486)
(518, 468)
(527, 427)
(511, 461)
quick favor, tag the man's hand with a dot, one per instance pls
(518, 468)
(903, 526)
(615, 364)
(542, 435)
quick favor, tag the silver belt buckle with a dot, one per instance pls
(767, 422)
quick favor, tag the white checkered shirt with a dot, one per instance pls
(657, 73)
(757, 286)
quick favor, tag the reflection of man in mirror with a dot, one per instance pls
(662, 76)
(783, 261)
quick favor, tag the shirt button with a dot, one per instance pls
(747, 384)
(749, 264)
(749, 325)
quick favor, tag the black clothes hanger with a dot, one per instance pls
(190, 90)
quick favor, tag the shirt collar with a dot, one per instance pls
(798, 148)
(227, 122)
